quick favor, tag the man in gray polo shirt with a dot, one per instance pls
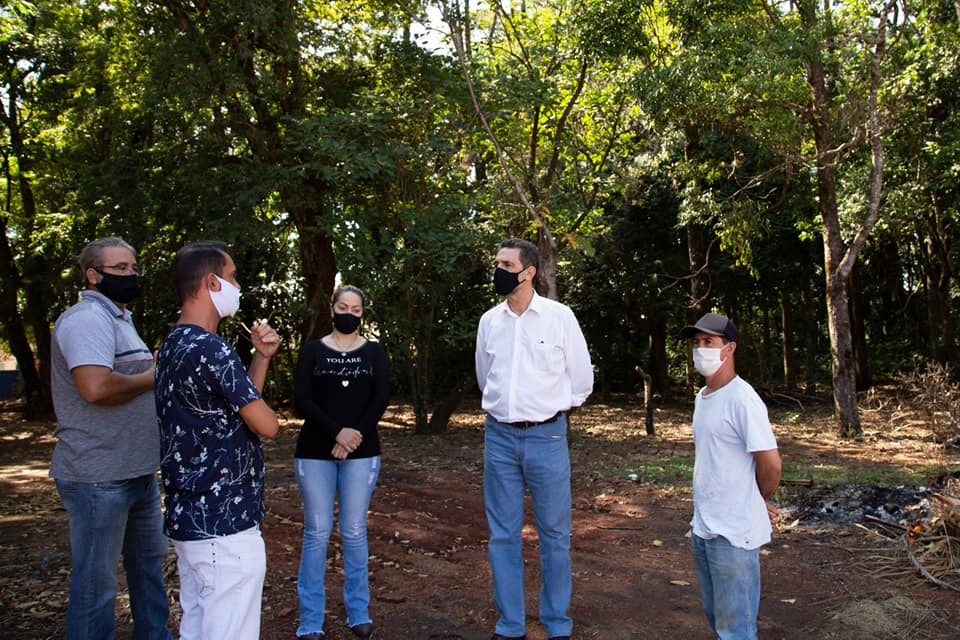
(108, 450)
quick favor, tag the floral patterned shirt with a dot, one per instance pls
(212, 465)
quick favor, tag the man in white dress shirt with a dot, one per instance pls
(533, 368)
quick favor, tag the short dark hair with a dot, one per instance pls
(349, 288)
(195, 260)
(529, 254)
(92, 255)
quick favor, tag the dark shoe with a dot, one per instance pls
(497, 636)
(362, 630)
(559, 638)
(316, 635)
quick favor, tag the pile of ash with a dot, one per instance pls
(850, 504)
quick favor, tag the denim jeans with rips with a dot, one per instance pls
(351, 482)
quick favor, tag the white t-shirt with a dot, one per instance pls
(728, 425)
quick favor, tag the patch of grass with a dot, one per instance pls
(828, 474)
(672, 470)
(678, 470)
(790, 417)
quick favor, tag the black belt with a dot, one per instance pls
(523, 424)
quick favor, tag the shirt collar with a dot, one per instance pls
(536, 305)
(108, 304)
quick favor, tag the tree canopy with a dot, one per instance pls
(790, 164)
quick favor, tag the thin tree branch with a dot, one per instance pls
(537, 215)
(562, 122)
(690, 276)
(876, 145)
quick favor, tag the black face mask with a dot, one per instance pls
(120, 289)
(504, 282)
(346, 323)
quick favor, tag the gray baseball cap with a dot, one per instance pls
(714, 324)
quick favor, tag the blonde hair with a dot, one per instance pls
(349, 288)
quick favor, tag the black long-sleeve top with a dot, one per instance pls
(333, 390)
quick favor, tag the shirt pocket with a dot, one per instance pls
(547, 356)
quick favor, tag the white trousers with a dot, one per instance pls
(221, 586)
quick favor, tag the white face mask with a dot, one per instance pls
(707, 361)
(227, 300)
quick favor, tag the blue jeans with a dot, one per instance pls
(729, 579)
(107, 519)
(538, 458)
(352, 481)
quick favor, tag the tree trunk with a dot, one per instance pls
(319, 268)
(421, 396)
(858, 331)
(700, 280)
(35, 374)
(838, 310)
(699, 288)
(418, 370)
(841, 352)
(648, 401)
(657, 324)
(838, 302)
(786, 342)
(445, 408)
(764, 350)
(14, 330)
(547, 274)
(811, 333)
(938, 272)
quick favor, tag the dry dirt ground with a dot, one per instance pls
(633, 575)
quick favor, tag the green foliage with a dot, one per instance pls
(296, 127)
(428, 277)
(409, 233)
(627, 289)
(567, 123)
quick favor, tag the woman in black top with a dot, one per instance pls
(341, 387)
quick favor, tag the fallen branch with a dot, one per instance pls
(892, 525)
(950, 501)
(926, 574)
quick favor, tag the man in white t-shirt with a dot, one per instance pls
(736, 470)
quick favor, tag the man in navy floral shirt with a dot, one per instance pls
(211, 419)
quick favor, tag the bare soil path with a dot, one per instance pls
(633, 576)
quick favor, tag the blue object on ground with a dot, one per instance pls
(8, 382)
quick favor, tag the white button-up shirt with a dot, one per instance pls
(532, 365)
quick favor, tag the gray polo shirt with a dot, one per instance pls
(97, 443)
